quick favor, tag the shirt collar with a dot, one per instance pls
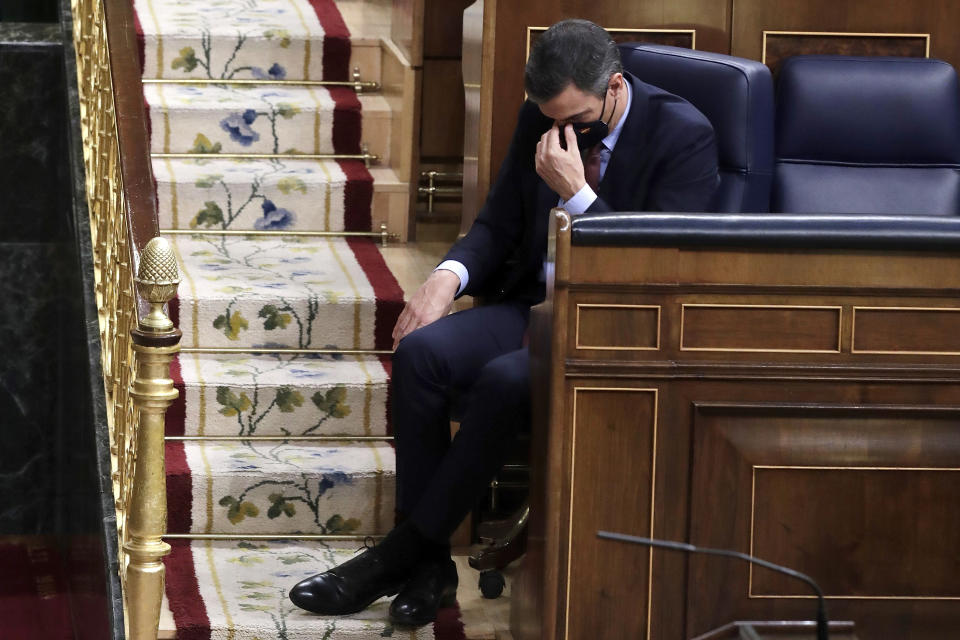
(611, 140)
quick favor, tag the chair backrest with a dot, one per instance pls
(867, 135)
(736, 95)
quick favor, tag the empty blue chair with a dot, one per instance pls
(736, 95)
(867, 135)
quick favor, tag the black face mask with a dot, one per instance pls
(590, 133)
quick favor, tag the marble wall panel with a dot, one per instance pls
(32, 133)
(28, 387)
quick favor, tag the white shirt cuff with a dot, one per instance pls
(580, 201)
(457, 268)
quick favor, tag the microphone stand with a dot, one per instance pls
(822, 626)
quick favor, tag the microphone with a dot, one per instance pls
(822, 633)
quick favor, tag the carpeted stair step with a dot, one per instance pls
(318, 195)
(280, 487)
(243, 39)
(239, 589)
(284, 292)
(246, 395)
(264, 119)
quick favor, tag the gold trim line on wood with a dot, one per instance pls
(853, 333)
(692, 32)
(753, 505)
(839, 309)
(779, 467)
(362, 84)
(266, 536)
(331, 352)
(753, 519)
(851, 34)
(279, 438)
(653, 488)
(826, 597)
(658, 307)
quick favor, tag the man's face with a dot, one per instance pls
(573, 105)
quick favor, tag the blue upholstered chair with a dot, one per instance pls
(736, 95)
(867, 135)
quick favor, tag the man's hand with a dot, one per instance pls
(561, 169)
(431, 302)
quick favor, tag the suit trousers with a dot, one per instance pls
(472, 363)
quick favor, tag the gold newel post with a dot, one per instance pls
(156, 341)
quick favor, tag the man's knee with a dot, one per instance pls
(507, 379)
(417, 354)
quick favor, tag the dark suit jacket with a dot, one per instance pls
(665, 160)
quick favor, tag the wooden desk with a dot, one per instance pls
(800, 630)
(799, 405)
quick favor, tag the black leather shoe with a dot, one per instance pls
(350, 587)
(432, 587)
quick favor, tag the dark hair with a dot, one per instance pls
(576, 51)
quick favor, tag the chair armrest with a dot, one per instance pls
(810, 231)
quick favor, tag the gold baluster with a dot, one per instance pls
(156, 342)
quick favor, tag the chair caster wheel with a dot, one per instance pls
(491, 584)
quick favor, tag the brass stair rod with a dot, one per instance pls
(442, 175)
(432, 189)
(369, 159)
(383, 234)
(356, 83)
(156, 342)
(440, 191)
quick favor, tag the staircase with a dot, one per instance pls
(279, 457)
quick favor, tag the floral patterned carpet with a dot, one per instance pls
(322, 195)
(289, 292)
(268, 442)
(280, 395)
(243, 39)
(215, 119)
(244, 587)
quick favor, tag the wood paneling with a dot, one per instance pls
(769, 328)
(401, 89)
(623, 446)
(852, 558)
(860, 269)
(936, 17)
(782, 630)
(838, 464)
(905, 330)
(858, 497)
(778, 46)
(686, 38)
(617, 327)
(477, 38)
(441, 128)
(406, 29)
(428, 33)
(443, 28)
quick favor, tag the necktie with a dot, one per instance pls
(591, 165)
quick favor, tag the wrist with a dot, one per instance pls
(573, 189)
(446, 281)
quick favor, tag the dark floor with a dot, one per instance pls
(34, 599)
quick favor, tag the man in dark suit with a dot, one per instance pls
(590, 138)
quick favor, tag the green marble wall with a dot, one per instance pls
(28, 10)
